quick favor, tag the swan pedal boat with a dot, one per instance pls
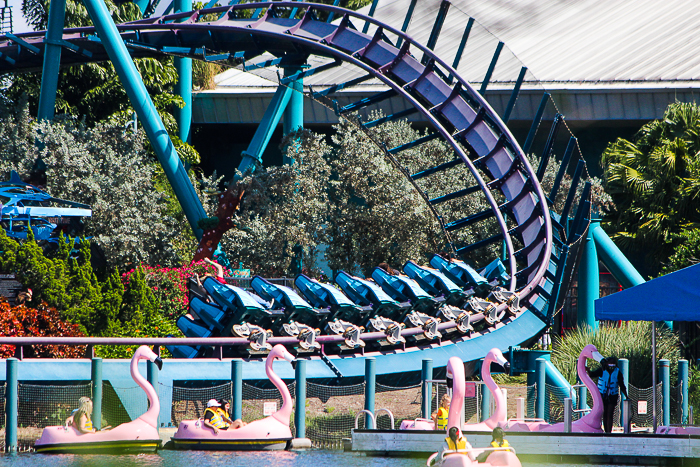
(267, 434)
(501, 457)
(140, 435)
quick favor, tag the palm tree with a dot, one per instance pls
(655, 184)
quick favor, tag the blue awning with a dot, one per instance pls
(673, 297)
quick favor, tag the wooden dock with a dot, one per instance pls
(615, 448)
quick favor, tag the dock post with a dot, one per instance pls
(237, 389)
(624, 365)
(426, 387)
(300, 406)
(683, 381)
(11, 404)
(626, 426)
(96, 377)
(520, 408)
(370, 388)
(485, 403)
(665, 375)
(568, 412)
(152, 377)
(541, 387)
(691, 422)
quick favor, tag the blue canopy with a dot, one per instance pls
(673, 297)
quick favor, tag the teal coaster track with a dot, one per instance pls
(459, 116)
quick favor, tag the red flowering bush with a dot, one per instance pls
(169, 285)
(43, 321)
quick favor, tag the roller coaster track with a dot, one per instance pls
(459, 115)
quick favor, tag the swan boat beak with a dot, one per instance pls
(290, 358)
(159, 363)
(597, 356)
(501, 360)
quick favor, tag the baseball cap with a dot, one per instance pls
(213, 403)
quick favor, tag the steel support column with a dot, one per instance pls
(152, 377)
(426, 387)
(253, 155)
(52, 60)
(11, 404)
(665, 375)
(683, 381)
(183, 88)
(624, 365)
(151, 121)
(237, 389)
(96, 377)
(370, 387)
(300, 406)
(294, 112)
(588, 281)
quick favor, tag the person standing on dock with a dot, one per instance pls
(610, 383)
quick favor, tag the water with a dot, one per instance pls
(311, 458)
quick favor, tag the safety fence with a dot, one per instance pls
(473, 400)
(641, 413)
(331, 411)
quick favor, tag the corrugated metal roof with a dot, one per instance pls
(585, 47)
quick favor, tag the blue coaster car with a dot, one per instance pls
(212, 315)
(241, 306)
(295, 307)
(496, 271)
(436, 283)
(190, 329)
(462, 274)
(368, 293)
(404, 289)
(323, 295)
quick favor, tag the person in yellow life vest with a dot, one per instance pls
(455, 441)
(81, 419)
(213, 417)
(440, 415)
(225, 411)
(497, 441)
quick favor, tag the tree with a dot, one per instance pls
(106, 166)
(655, 183)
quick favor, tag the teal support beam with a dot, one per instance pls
(253, 155)
(294, 112)
(485, 408)
(624, 365)
(370, 387)
(52, 60)
(683, 382)
(540, 371)
(143, 105)
(614, 259)
(426, 387)
(152, 377)
(300, 407)
(582, 397)
(665, 375)
(237, 390)
(183, 88)
(616, 262)
(588, 281)
(11, 404)
(143, 4)
(96, 378)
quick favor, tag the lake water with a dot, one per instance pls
(165, 458)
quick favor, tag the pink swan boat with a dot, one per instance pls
(270, 433)
(140, 435)
(499, 457)
(591, 422)
(499, 415)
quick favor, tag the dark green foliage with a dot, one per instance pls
(632, 340)
(655, 182)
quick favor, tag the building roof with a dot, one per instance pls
(601, 59)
